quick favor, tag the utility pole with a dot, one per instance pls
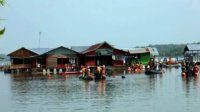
(40, 33)
(38, 64)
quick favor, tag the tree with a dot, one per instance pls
(2, 3)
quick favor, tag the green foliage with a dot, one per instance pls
(2, 2)
(2, 31)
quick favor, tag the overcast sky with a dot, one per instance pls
(123, 23)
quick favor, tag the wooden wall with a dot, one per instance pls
(118, 63)
(51, 60)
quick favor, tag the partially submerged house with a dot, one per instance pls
(192, 53)
(104, 54)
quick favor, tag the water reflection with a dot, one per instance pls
(190, 84)
(146, 93)
(101, 85)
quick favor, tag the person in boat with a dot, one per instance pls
(151, 63)
(156, 67)
(148, 67)
(89, 75)
(195, 69)
(160, 67)
(137, 68)
(133, 67)
(170, 61)
(129, 69)
(142, 66)
(83, 71)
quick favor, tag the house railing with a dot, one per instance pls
(20, 66)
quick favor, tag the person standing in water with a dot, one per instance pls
(195, 70)
(98, 72)
(103, 72)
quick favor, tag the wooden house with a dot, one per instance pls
(192, 53)
(60, 57)
(103, 54)
(21, 58)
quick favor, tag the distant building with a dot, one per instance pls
(192, 52)
(139, 55)
(153, 52)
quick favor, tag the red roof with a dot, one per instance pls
(95, 47)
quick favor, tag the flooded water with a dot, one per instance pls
(137, 92)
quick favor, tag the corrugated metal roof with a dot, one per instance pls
(92, 48)
(193, 47)
(139, 50)
(61, 50)
(96, 46)
(22, 48)
(79, 48)
(153, 51)
(40, 51)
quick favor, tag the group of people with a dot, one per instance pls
(190, 69)
(100, 73)
(171, 62)
(136, 68)
(153, 65)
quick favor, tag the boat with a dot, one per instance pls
(151, 72)
(91, 78)
(85, 78)
(100, 78)
(176, 65)
(71, 73)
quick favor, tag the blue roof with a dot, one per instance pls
(193, 47)
(79, 49)
(40, 51)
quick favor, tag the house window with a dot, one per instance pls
(27, 61)
(63, 60)
(117, 57)
(72, 60)
(17, 61)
